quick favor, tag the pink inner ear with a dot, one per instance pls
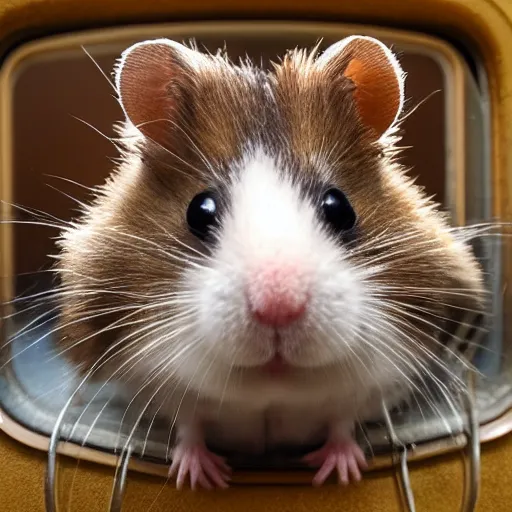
(147, 72)
(378, 78)
(377, 94)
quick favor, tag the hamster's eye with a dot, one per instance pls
(202, 214)
(338, 211)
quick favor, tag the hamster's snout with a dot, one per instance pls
(278, 293)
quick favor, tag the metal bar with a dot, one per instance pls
(50, 488)
(49, 483)
(471, 451)
(116, 501)
(404, 480)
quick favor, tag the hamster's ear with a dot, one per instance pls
(376, 74)
(151, 78)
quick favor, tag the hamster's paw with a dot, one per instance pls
(345, 457)
(196, 463)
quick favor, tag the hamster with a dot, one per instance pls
(259, 264)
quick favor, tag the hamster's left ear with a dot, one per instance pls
(376, 74)
(152, 78)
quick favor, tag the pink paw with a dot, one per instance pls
(204, 468)
(346, 457)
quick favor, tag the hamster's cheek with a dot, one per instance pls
(222, 322)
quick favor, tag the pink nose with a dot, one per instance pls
(278, 294)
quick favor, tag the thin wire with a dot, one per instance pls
(51, 469)
(472, 451)
(396, 444)
(405, 481)
(50, 489)
(116, 501)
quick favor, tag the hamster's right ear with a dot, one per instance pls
(376, 74)
(151, 78)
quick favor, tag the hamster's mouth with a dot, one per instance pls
(276, 367)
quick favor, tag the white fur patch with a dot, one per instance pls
(269, 221)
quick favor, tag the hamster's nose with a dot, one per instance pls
(278, 293)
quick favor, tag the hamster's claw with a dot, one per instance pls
(346, 457)
(204, 468)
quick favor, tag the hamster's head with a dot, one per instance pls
(260, 228)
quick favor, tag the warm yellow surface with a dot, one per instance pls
(437, 485)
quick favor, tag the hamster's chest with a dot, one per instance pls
(255, 431)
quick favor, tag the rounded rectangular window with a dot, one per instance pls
(57, 129)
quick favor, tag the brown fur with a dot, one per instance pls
(297, 112)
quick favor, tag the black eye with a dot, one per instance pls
(337, 211)
(202, 214)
